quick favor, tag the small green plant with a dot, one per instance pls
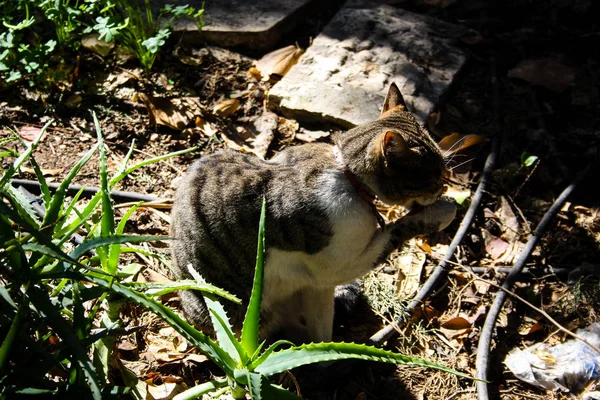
(59, 301)
(68, 17)
(248, 366)
(528, 160)
(17, 57)
(137, 30)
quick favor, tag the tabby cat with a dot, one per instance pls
(322, 229)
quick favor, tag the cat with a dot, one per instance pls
(322, 229)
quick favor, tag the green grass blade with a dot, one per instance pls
(92, 204)
(13, 331)
(23, 206)
(105, 241)
(116, 179)
(123, 165)
(8, 174)
(53, 209)
(121, 227)
(50, 251)
(45, 190)
(252, 319)
(158, 289)
(220, 323)
(78, 353)
(319, 352)
(199, 390)
(224, 332)
(256, 361)
(255, 383)
(67, 235)
(276, 392)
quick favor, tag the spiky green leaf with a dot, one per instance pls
(252, 319)
(159, 289)
(53, 209)
(199, 390)
(319, 352)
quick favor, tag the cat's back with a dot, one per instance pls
(217, 206)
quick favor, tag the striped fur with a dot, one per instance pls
(320, 233)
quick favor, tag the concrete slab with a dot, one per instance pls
(344, 75)
(256, 25)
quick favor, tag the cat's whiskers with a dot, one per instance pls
(452, 152)
(462, 163)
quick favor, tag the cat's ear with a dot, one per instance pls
(393, 99)
(392, 143)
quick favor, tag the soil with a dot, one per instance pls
(552, 116)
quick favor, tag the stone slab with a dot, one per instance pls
(344, 75)
(256, 25)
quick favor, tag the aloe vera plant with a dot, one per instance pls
(55, 337)
(248, 364)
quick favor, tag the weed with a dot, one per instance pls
(137, 29)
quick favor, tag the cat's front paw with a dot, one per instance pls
(428, 219)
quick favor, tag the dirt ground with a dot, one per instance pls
(543, 107)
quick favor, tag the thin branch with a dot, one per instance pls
(442, 269)
(485, 339)
(539, 310)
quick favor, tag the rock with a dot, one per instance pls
(256, 25)
(344, 75)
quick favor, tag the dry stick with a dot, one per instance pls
(442, 269)
(506, 270)
(485, 339)
(539, 310)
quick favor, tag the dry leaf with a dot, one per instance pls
(547, 73)
(410, 266)
(227, 107)
(92, 43)
(508, 219)
(173, 113)
(165, 391)
(481, 311)
(255, 138)
(481, 287)
(149, 275)
(45, 171)
(29, 133)
(456, 323)
(205, 127)
(278, 62)
(197, 358)
(530, 327)
(455, 327)
(496, 247)
(424, 246)
(456, 142)
(311, 136)
(113, 81)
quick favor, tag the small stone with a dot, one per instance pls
(257, 24)
(344, 75)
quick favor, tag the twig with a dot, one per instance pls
(442, 269)
(539, 310)
(485, 338)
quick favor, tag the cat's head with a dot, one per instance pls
(394, 157)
